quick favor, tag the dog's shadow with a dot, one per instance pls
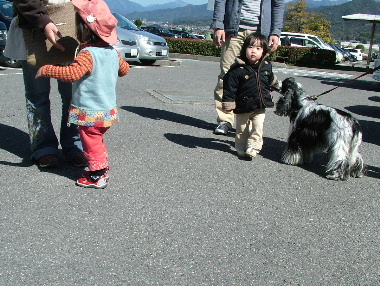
(370, 129)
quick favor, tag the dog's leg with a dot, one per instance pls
(338, 165)
(356, 163)
(293, 154)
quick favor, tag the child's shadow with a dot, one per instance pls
(158, 114)
(189, 141)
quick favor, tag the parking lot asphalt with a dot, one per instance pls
(181, 208)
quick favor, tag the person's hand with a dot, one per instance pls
(273, 42)
(219, 37)
(39, 73)
(51, 31)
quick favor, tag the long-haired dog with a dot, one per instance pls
(318, 128)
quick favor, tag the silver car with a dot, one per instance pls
(151, 47)
(127, 45)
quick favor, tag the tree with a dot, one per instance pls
(299, 20)
(139, 23)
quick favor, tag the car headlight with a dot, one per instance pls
(3, 34)
(147, 40)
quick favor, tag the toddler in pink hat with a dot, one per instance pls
(94, 74)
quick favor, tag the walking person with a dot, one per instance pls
(246, 92)
(32, 14)
(233, 21)
(94, 74)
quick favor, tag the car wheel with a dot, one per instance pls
(13, 63)
(147, 62)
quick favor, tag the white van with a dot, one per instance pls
(307, 40)
(314, 41)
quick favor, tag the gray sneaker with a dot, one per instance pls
(222, 129)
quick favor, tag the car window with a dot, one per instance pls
(309, 43)
(125, 23)
(6, 9)
(296, 41)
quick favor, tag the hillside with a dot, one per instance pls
(190, 14)
(349, 30)
(126, 7)
(199, 15)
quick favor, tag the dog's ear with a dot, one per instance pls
(283, 105)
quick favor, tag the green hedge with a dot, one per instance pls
(309, 57)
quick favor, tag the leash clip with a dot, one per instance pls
(313, 98)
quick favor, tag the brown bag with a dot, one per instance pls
(40, 51)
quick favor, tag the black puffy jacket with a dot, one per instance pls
(246, 88)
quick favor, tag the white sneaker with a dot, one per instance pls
(222, 129)
(251, 152)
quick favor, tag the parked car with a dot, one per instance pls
(339, 53)
(347, 56)
(317, 40)
(6, 14)
(150, 46)
(183, 34)
(159, 30)
(376, 74)
(304, 42)
(358, 53)
(127, 45)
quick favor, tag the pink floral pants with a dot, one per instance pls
(94, 148)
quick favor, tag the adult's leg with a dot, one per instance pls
(69, 135)
(42, 136)
(230, 50)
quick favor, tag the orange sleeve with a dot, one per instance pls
(81, 66)
(123, 66)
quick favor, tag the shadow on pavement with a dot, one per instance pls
(15, 141)
(356, 84)
(365, 110)
(159, 114)
(189, 141)
(374, 98)
(372, 171)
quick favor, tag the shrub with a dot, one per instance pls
(308, 57)
(360, 47)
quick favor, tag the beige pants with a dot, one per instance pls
(249, 130)
(230, 50)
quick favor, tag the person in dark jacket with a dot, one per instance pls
(232, 22)
(246, 91)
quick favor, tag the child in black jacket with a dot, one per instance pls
(246, 91)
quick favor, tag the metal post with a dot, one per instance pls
(370, 45)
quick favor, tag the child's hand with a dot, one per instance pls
(39, 73)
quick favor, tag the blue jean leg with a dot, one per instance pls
(69, 134)
(42, 136)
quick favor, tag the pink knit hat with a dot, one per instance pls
(98, 17)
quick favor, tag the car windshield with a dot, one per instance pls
(125, 23)
(6, 9)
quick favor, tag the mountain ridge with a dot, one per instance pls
(199, 15)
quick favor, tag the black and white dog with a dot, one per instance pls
(318, 128)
